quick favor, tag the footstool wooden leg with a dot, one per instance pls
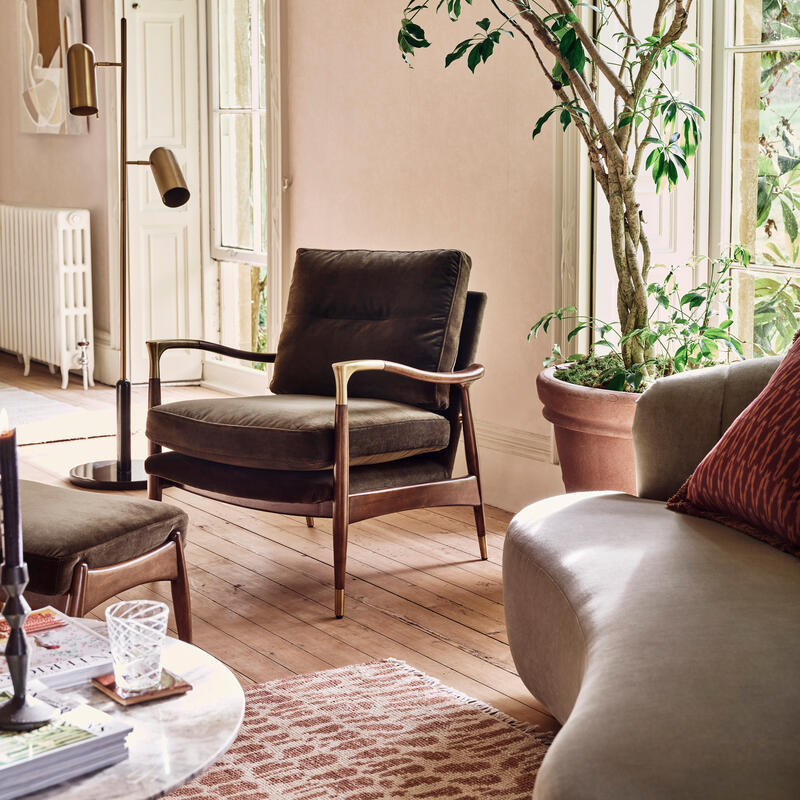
(309, 522)
(181, 598)
(76, 602)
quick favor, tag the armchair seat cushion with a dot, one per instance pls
(288, 487)
(294, 432)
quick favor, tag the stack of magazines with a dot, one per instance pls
(63, 652)
(80, 740)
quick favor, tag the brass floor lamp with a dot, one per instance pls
(123, 473)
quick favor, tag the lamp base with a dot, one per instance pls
(25, 714)
(109, 475)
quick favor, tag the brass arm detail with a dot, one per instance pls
(157, 348)
(344, 370)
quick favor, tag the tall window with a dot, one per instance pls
(763, 60)
(238, 88)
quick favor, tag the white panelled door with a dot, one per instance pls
(165, 243)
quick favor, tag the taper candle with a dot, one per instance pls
(9, 488)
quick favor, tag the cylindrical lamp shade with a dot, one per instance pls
(169, 178)
(81, 80)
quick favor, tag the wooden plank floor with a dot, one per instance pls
(262, 583)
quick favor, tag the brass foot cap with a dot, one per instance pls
(338, 603)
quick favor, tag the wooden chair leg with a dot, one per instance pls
(471, 453)
(480, 524)
(310, 522)
(339, 564)
(181, 598)
(341, 506)
(154, 487)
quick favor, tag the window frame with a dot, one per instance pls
(271, 256)
(220, 252)
(720, 73)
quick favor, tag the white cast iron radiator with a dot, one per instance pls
(46, 287)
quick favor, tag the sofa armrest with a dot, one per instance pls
(679, 419)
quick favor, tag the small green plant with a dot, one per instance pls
(684, 331)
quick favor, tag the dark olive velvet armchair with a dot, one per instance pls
(370, 389)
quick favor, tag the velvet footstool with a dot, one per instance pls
(84, 547)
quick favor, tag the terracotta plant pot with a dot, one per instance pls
(593, 434)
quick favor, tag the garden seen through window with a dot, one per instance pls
(766, 171)
(238, 168)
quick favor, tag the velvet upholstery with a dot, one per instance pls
(355, 304)
(284, 486)
(62, 527)
(293, 432)
(467, 355)
(679, 419)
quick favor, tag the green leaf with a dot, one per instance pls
(457, 52)
(787, 164)
(474, 57)
(680, 358)
(537, 129)
(571, 48)
(764, 201)
(484, 23)
(617, 382)
(789, 220)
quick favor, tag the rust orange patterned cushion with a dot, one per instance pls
(751, 479)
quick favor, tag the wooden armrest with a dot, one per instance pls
(158, 347)
(344, 370)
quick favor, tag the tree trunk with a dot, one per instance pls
(627, 239)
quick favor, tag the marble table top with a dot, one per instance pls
(173, 740)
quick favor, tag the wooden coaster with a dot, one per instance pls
(168, 686)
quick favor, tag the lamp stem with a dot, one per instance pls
(123, 205)
(123, 385)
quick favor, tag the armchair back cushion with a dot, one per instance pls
(355, 304)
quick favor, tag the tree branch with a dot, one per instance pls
(565, 7)
(542, 32)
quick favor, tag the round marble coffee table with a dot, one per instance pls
(173, 739)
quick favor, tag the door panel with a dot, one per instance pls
(163, 94)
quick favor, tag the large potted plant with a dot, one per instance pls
(640, 126)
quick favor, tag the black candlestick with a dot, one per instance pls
(22, 712)
(9, 487)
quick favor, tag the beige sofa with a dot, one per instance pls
(668, 646)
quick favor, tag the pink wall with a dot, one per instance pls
(382, 156)
(48, 170)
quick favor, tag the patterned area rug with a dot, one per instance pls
(367, 732)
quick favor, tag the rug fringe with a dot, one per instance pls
(525, 727)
